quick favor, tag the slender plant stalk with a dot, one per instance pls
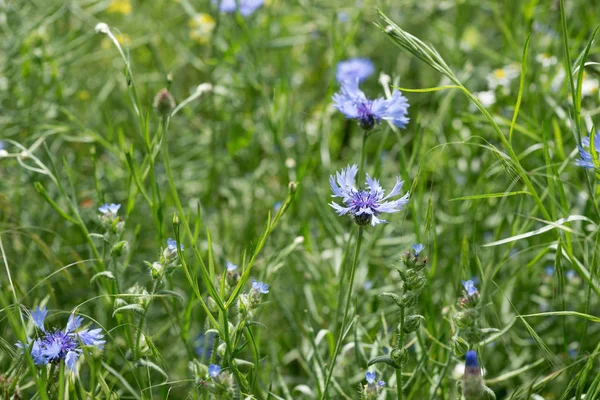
(345, 314)
(363, 152)
(400, 346)
(343, 271)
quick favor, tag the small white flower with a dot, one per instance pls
(547, 60)
(487, 97)
(503, 76)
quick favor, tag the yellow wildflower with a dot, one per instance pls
(201, 27)
(119, 7)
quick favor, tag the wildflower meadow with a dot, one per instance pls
(299, 199)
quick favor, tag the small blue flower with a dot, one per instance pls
(381, 383)
(172, 245)
(260, 287)
(471, 359)
(470, 287)
(371, 376)
(570, 274)
(214, 370)
(343, 16)
(109, 208)
(204, 344)
(352, 102)
(247, 7)
(277, 206)
(418, 248)
(585, 153)
(549, 271)
(38, 316)
(354, 69)
(368, 285)
(364, 205)
(231, 266)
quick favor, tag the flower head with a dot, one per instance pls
(201, 27)
(204, 344)
(172, 245)
(54, 346)
(364, 205)
(38, 316)
(119, 7)
(418, 248)
(164, 102)
(354, 69)
(585, 153)
(470, 287)
(371, 376)
(471, 359)
(352, 102)
(230, 266)
(214, 370)
(260, 287)
(109, 208)
(246, 7)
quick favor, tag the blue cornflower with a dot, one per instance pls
(470, 287)
(364, 205)
(353, 103)
(52, 347)
(354, 69)
(214, 370)
(585, 153)
(172, 245)
(260, 287)
(418, 248)
(38, 316)
(230, 266)
(109, 208)
(246, 7)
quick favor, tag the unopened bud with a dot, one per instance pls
(399, 356)
(118, 249)
(164, 102)
(459, 346)
(292, 187)
(412, 322)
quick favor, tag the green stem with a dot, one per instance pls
(400, 347)
(363, 154)
(343, 271)
(345, 315)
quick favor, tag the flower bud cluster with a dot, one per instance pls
(467, 321)
(212, 378)
(168, 261)
(251, 300)
(112, 224)
(414, 281)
